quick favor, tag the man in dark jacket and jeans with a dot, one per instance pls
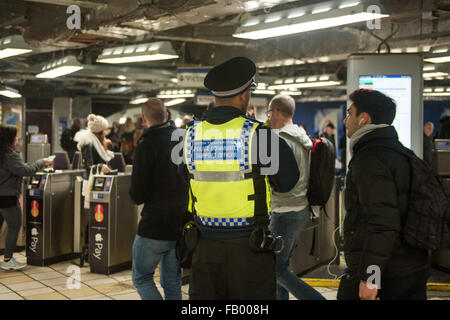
(156, 183)
(380, 263)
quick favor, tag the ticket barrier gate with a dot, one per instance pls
(49, 208)
(441, 258)
(113, 219)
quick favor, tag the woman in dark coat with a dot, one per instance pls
(12, 170)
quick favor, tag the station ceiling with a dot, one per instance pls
(201, 34)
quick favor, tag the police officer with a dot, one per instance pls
(232, 163)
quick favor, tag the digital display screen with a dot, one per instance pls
(398, 87)
(36, 139)
(99, 183)
(35, 180)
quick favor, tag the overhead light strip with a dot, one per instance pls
(436, 92)
(13, 46)
(174, 102)
(59, 68)
(10, 92)
(439, 54)
(174, 94)
(319, 18)
(153, 51)
(312, 81)
(139, 100)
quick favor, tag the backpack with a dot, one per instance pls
(427, 224)
(321, 172)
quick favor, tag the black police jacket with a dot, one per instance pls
(156, 183)
(376, 201)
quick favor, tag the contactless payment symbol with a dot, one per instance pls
(98, 213)
(34, 208)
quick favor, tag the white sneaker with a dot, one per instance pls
(12, 265)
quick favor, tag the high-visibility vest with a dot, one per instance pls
(222, 185)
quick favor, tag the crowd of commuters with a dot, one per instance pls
(239, 209)
(118, 138)
(234, 221)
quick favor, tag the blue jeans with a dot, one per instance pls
(289, 225)
(147, 253)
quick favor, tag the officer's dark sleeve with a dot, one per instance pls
(142, 174)
(284, 172)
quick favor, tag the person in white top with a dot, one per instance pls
(290, 211)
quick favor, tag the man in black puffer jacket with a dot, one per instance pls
(376, 200)
(155, 182)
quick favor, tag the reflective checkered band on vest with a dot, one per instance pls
(244, 162)
(190, 147)
(225, 222)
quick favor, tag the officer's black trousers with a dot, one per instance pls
(228, 269)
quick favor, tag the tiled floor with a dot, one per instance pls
(55, 283)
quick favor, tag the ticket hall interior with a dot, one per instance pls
(61, 61)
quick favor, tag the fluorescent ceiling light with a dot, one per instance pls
(60, 68)
(434, 74)
(178, 122)
(58, 72)
(438, 59)
(291, 93)
(440, 50)
(251, 5)
(13, 46)
(9, 52)
(174, 94)
(122, 120)
(437, 94)
(137, 53)
(320, 10)
(139, 100)
(9, 92)
(263, 91)
(296, 13)
(291, 24)
(438, 54)
(305, 85)
(174, 102)
(153, 57)
(272, 18)
(348, 5)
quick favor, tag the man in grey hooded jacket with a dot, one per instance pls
(290, 211)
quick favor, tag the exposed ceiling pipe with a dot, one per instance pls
(67, 3)
(205, 13)
(198, 40)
